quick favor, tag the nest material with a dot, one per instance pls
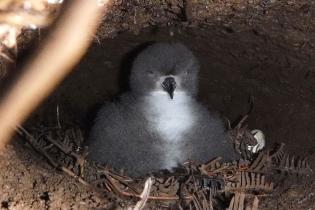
(233, 185)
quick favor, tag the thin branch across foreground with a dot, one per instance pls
(62, 49)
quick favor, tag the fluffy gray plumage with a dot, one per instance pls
(147, 130)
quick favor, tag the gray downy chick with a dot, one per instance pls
(158, 124)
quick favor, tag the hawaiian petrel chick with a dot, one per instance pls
(158, 124)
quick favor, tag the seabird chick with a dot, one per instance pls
(158, 124)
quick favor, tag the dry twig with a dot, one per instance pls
(57, 56)
(144, 195)
(197, 187)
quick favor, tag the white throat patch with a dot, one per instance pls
(171, 118)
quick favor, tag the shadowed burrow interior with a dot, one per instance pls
(240, 72)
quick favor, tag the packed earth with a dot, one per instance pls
(256, 57)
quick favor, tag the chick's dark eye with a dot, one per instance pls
(150, 73)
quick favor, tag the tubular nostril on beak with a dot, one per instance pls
(169, 86)
(169, 81)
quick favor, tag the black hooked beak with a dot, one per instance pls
(169, 86)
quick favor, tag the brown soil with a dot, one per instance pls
(261, 51)
(28, 182)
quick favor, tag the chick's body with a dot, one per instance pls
(159, 124)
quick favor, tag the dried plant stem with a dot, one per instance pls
(59, 53)
(144, 195)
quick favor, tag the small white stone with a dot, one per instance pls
(261, 142)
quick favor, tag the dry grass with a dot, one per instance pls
(238, 183)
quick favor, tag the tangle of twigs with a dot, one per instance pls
(192, 186)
